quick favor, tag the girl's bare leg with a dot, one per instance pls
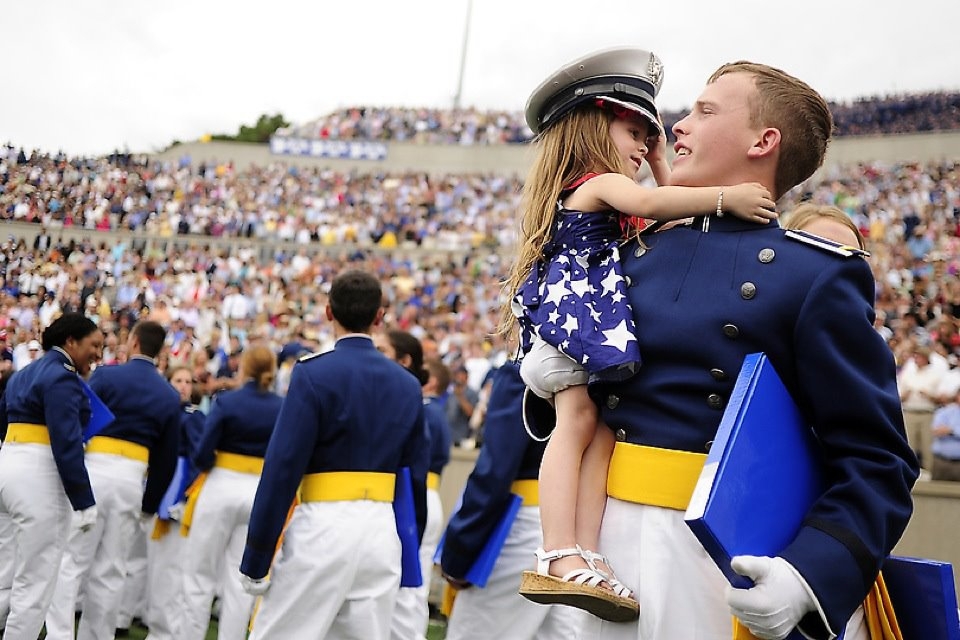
(560, 474)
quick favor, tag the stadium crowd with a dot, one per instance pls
(909, 113)
(410, 229)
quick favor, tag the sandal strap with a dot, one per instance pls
(544, 558)
(588, 577)
(592, 558)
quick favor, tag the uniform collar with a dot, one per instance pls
(140, 356)
(352, 338)
(729, 223)
(63, 353)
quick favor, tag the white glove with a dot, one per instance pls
(254, 586)
(175, 511)
(146, 522)
(778, 600)
(86, 518)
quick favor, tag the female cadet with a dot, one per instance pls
(411, 614)
(42, 474)
(230, 450)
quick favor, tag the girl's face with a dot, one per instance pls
(85, 352)
(383, 345)
(182, 381)
(630, 137)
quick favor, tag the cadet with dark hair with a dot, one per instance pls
(350, 421)
(142, 440)
(42, 472)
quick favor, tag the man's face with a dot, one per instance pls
(713, 140)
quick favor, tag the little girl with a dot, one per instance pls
(595, 122)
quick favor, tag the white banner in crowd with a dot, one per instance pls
(346, 149)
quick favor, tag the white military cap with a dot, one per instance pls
(625, 76)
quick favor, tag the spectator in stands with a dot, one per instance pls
(946, 441)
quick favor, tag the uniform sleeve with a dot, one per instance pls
(203, 454)
(849, 388)
(163, 460)
(63, 402)
(487, 492)
(288, 454)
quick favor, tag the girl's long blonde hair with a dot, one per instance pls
(577, 144)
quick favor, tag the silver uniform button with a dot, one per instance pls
(612, 401)
(766, 255)
(731, 330)
(748, 290)
(621, 435)
(628, 281)
(708, 445)
(718, 374)
(639, 251)
(714, 401)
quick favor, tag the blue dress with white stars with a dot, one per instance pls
(575, 298)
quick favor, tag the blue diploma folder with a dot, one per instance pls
(100, 414)
(924, 598)
(406, 515)
(763, 461)
(479, 572)
(176, 489)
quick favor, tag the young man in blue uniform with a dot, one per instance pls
(509, 463)
(351, 420)
(141, 441)
(704, 296)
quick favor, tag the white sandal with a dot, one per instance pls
(582, 588)
(622, 590)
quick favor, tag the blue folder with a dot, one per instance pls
(176, 489)
(406, 516)
(763, 460)
(924, 598)
(100, 414)
(479, 572)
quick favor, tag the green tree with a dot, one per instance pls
(260, 132)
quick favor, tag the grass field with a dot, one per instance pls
(436, 631)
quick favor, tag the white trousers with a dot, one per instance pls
(133, 602)
(212, 554)
(336, 576)
(98, 558)
(165, 585)
(37, 513)
(7, 557)
(497, 611)
(411, 613)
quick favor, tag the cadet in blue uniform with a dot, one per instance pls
(42, 474)
(165, 545)
(704, 296)
(350, 421)
(230, 450)
(412, 614)
(142, 440)
(509, 462)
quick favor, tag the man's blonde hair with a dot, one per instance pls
(796, 110)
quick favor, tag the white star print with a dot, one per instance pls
(579, 287)
(556, 292)
(609, 282)
(619, 337)
(570, 324)
(553, 317)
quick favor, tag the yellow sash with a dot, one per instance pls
(191, 494)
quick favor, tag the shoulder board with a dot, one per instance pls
(69, 367)
(311, 356)
(825, 245)
(191, 408)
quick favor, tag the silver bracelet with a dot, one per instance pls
(720, 204)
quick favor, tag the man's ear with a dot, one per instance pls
(766, 144)
(329, 313)
(379, 318)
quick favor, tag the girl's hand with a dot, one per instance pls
(749, 201)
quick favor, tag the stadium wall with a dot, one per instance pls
(515, 159)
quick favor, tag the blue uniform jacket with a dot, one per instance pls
(147, 411)
(48, 391)
(350, 409)
(439, 430)
(508, 454)
(240, 421)
(706, 295)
